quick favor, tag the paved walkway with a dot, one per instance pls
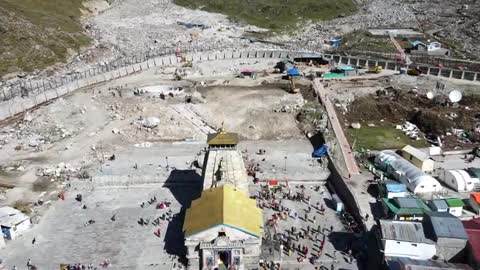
(194, 118)
(337, 128)
(337, 242)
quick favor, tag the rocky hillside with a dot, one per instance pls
(275, 14)
(35, 34)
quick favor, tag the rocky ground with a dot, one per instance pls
(453, 23)
(72, 136)
(122, 29)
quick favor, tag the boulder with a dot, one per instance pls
(150, 122)
(356, 125)
(34, 143)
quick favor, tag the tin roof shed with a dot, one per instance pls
(403, 263)
(438, 205)
(445, 225)
(10, 217)
(407, 231)
(455, 202)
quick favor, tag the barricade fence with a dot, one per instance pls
(29, 93)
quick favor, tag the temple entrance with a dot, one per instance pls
(224, 257)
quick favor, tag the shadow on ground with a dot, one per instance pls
(377, 209)
(317, 140)
(186, 186)
(344, 242)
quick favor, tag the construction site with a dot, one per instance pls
(216, 143)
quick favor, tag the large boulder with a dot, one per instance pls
(151, 122)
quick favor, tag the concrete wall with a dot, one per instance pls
(392, 65)
(132, 180)
(344, 192)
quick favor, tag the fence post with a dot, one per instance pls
(43, 83)
(4, 95)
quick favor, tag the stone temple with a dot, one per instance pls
(223, 228)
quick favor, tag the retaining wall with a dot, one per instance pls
(17, 102)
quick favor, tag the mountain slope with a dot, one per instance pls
(37, 33)
(275, 14)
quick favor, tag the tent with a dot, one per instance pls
(293, 72)
(402, 170)
(320, 152)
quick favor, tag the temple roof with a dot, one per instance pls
(223, 205)
(222, 138)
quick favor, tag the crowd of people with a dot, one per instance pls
(157, 222)
(307, 241)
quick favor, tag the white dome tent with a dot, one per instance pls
(459, 180)
(407, 173)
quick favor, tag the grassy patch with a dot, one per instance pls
(275, 14)
(381, 137)
(37, 33)
(363, 41)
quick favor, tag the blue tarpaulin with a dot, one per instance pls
(320, 152)
(347, 68)
(395, 187)
(335, 42)
(293, 72)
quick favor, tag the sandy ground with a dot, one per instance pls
(250, 111)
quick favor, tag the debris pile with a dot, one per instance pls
(62, 171)
(290, 104)
(411, 130)
(312, 118)
(288, 108)
(14, 166)
(420, 116)
(27, 136)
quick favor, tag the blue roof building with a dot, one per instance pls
(417, 42)
(391, 189)
(395, 187)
